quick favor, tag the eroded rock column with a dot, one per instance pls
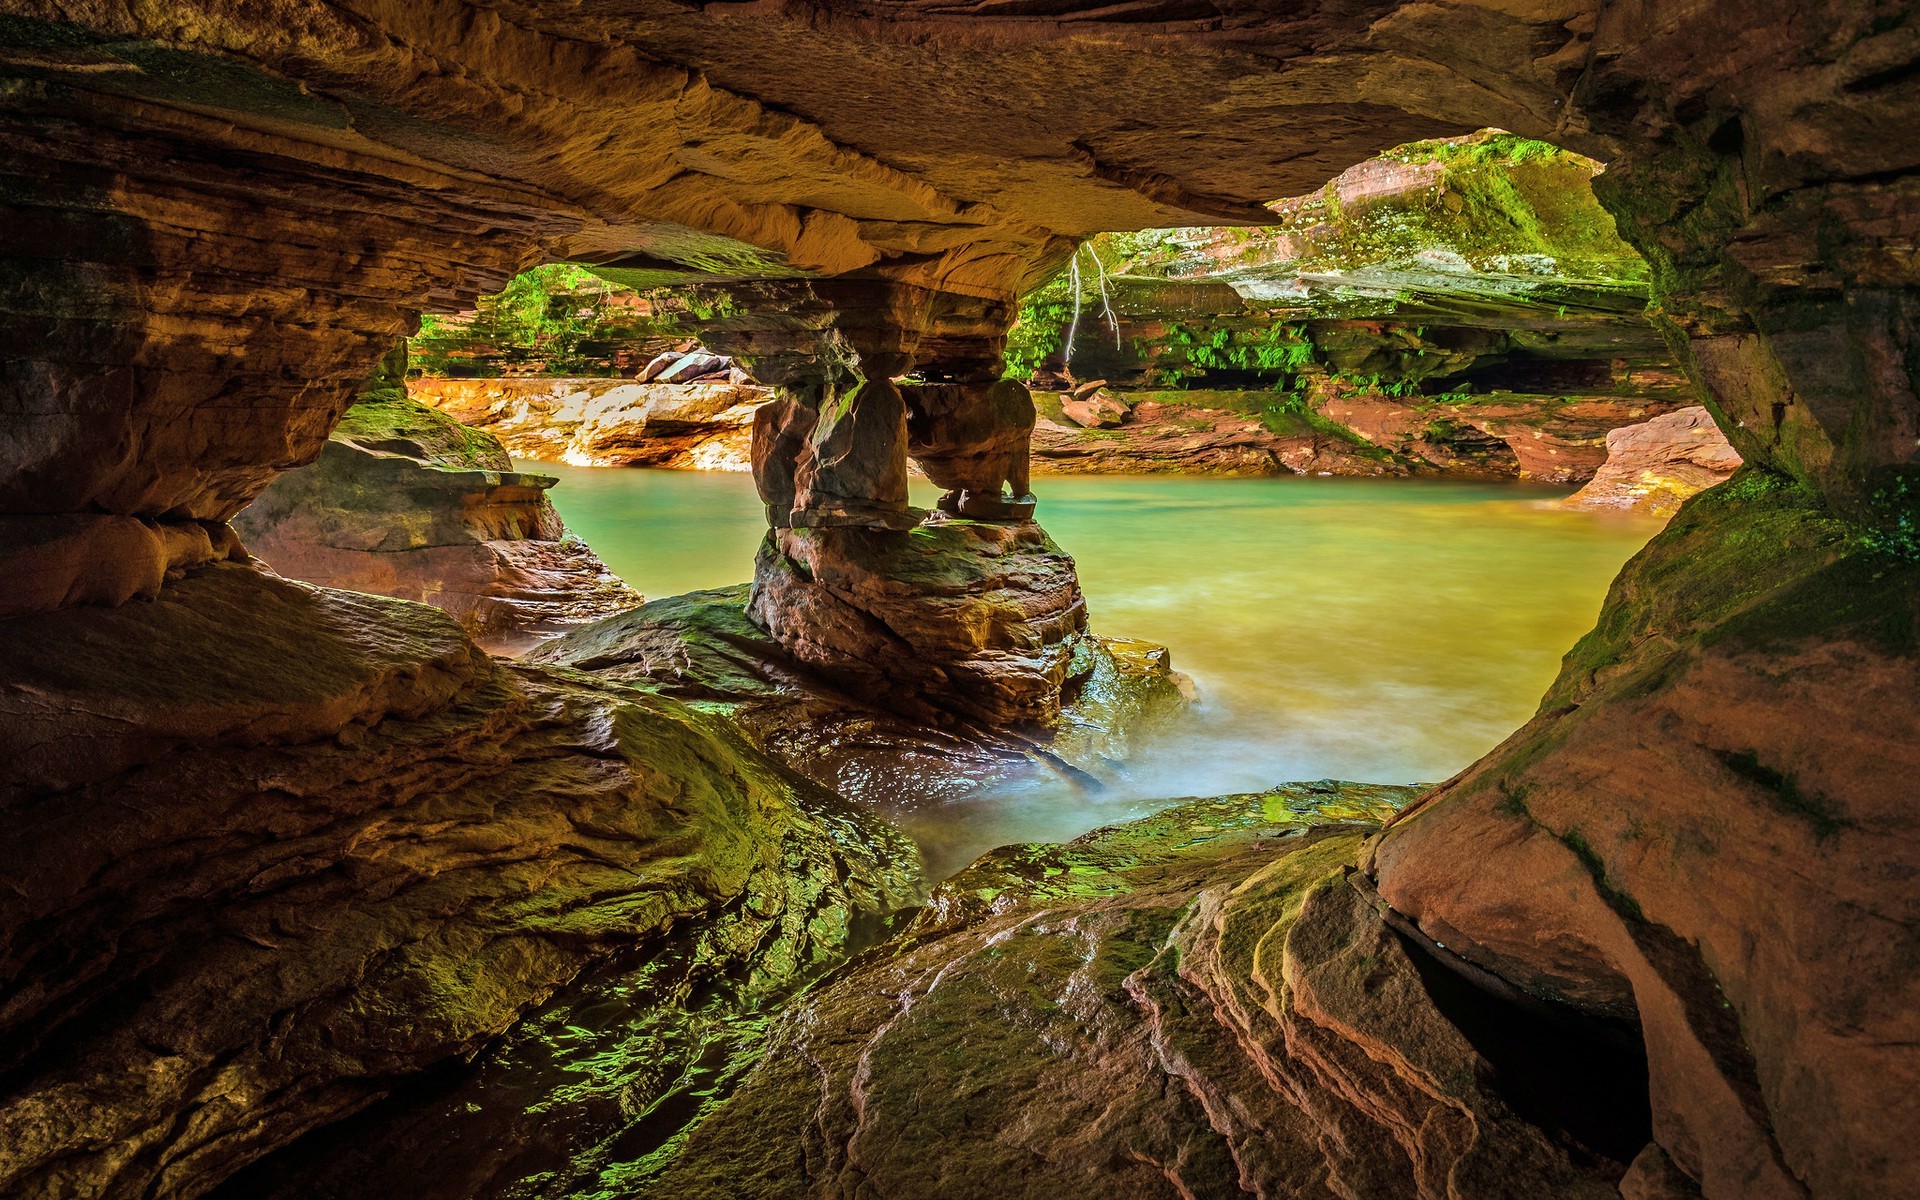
(970, 614)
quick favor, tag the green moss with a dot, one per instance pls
(1596, 867)
(385, 419)
(1785, 793)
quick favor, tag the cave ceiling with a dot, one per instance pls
(959, 146)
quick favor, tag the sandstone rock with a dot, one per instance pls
(1709, 823)
(1194, 433)
(63, 559)
(692, 366)
(703, 426)
(272, 850)
(405, 502)
(956, 619)
(853, 472)
(1196, 1004)
(1657, 465)
(1095, 410)
(974, 440)
(702, 648)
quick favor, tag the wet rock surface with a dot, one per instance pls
(954, 618)
(704, 649)
(405, 502)
(1710, 823)
(306, 844)
(1196, 1004)
(705, 426)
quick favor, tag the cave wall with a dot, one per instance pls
(219, 217)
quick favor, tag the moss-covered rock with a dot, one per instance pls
(1196, 1004)
(1710, 823)
(326, 845)
(405, 501)
(704, 649)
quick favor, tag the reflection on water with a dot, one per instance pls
(1385, 631)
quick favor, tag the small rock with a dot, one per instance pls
(1096, 409)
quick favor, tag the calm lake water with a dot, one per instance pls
(1386, 631)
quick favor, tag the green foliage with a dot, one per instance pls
(564, 319)
(1188, 351)
(1899, 534)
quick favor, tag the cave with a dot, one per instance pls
(305, 892)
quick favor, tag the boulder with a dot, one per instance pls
(694, 365)
(406, 502)
(1098, 409)
(1656, 465)
(702, 648)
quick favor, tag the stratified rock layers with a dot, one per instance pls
(1197, 1004)
(1711, 822)
(1658, 464)
(405, 502)
(702, 648)
(272, 849)
(704, 426)
(952, 617)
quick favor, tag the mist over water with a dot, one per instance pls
(1385, 631)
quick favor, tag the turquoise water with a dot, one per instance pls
(1382, 630)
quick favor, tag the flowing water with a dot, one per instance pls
(1389, 631)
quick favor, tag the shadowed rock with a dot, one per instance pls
(1195, 1004)
(304, 844)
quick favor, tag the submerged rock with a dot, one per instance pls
(273, 850)
(1201, 1003)
(406, 502)
(703, 648)
(1655, 466)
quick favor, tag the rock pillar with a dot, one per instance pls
(970, 615)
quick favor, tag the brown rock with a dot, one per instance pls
(853, 472)
(959, 618)
(1095, 410)
(704, 426)
(702, 648)
(973, 440)
(1710, 823)
(1200, 438)
(404, 502)
(274, 849)
(1196, 1004)
(1655, 466)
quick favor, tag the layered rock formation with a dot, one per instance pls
(1657, 465)
(405, 502)
(607, 422)
(703, 648)
(1460, 306)
(1708, 824)
(1199, 1004)
(956, 617)
(249, 892)
(221, 215)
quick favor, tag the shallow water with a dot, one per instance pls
(1385, 631)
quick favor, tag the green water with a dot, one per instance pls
(1386, 631)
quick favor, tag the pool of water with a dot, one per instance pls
(1390, 631)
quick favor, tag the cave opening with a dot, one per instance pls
(338, 758)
